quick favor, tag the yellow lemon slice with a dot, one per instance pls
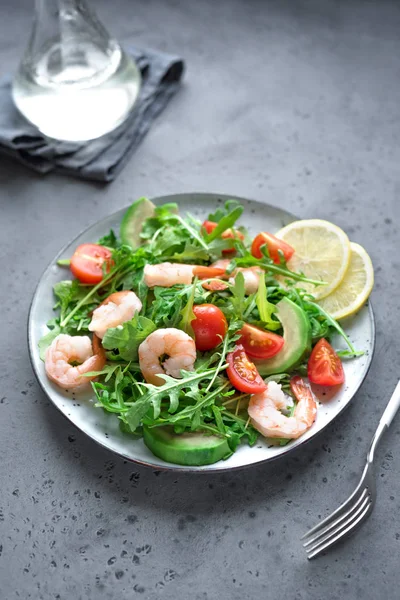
(355, 287)
(322, 252)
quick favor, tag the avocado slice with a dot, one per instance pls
(132, 221)
(191, 449)
(297, 336)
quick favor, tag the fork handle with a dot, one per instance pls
(391, 409)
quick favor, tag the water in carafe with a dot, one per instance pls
(74, 82)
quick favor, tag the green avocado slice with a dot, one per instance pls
(191, 449)
(297, 336)
(132, 221)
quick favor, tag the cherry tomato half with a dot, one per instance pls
(209, 326)
(242, 373)
(324, 365)
(209, 226)
(259, 343)
(273, 244)
(87, 262)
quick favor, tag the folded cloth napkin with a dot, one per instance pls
(101, 159)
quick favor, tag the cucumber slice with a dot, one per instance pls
(132, 221)
(297, 336)
(191, 449)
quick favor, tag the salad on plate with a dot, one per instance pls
(199, 338)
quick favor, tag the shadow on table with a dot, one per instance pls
(19, 177)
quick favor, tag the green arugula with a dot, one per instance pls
(46, 340)
(126, 338)
(187, 314)
(226, 222)
(265, 308)
(223, 211)
(110, 240)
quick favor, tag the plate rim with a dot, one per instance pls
(183, 468)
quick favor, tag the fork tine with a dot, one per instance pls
(321, 532)
(333, 540)
(339, 524)
(336, 512)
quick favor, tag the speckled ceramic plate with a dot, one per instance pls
(104, 428)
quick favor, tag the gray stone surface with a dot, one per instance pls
(292, 103)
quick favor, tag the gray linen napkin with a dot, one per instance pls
(100, 159)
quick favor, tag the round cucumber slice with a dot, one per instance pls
(191, 449)
(132, 221)
(297, 336)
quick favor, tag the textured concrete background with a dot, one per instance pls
(292, 103)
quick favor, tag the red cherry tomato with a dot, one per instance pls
(87, 262)
(273, 244)
(259, 343)
(209, 226)
(324, 365)
(209, 326)
(242, 373)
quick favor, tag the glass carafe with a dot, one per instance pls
(74, 81)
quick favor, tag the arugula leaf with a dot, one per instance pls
(190, 253)
(202, 401)
(332, 323)
(265, 308)
(63, 291)
(247, 260)
(218, 418)
(189, 382)
(166, 306)
(110, 240)
(126, 338)
(221, 212)
(137, 412)
(225, 223)
(187, 312)
(169, 241)
(349, 354)
(238, 295)
(168, 393)
(162, 216)
(46, 340)
(69, 294)
(167, 210)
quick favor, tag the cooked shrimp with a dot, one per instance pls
(168, 274)
(251, 275)
(222, 263)
(177, 344)
(113, 311)
(65, 350)
(266, 416)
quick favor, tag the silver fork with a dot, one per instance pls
(352, 513)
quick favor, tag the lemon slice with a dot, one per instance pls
(354, 289)
(322, 252)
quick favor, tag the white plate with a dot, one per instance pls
(104, 427)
